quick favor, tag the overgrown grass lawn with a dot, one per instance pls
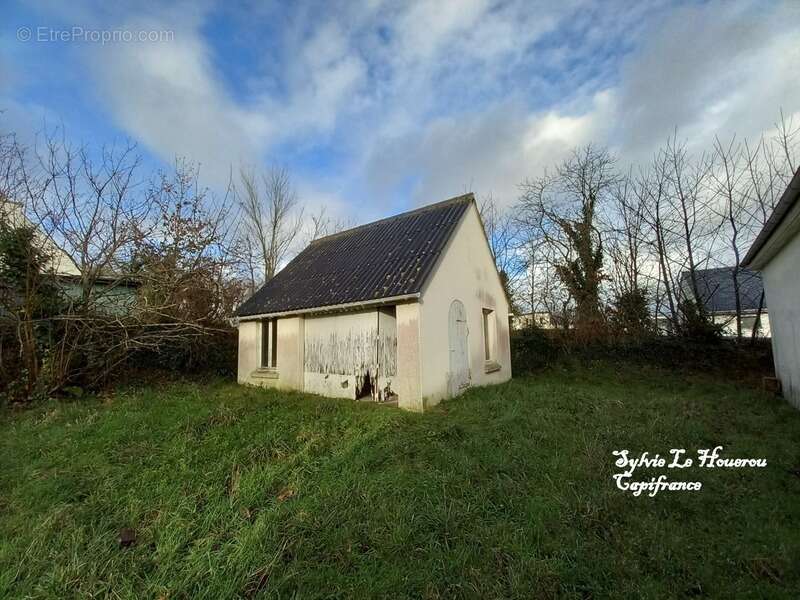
(504, 492)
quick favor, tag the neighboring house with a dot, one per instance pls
(409, 309)
(60, 262)
(718, 296)
(776, 254)
(113, 293)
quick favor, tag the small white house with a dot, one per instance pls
(409, 309)
(776, 253)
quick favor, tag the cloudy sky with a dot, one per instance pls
(378, 106)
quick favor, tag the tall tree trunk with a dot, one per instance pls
(757, 322)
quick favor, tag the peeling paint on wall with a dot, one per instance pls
(340, 352)
(363, 346)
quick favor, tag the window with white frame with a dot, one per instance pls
(269, 343)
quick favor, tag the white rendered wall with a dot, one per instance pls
(782, 287)
(288, 373)
(467, 273)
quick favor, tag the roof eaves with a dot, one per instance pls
(345, 307)
(782, 208)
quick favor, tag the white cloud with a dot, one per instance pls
(706, 70)
(489, 152)
(324, 77)
(716, 69)
(428, 25)
(449, 96)
(169, 98)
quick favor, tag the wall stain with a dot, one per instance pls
(362, 353)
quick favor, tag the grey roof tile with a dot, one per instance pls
(390, 257)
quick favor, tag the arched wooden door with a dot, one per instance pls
(459, 378)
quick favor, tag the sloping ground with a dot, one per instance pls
(237, 492)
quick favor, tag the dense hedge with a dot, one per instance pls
(213, 354)
(535, 349)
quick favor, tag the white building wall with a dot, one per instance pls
(466, 272)
(782, 289)
(291, 349)
(249, 352)
(728, 323)
(407, 381)
(288, 373)
(330, 355)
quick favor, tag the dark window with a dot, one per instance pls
(488, 333)
(274, 344)
(269, 343)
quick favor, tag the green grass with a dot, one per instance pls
(504, 492)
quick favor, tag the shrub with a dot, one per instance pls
(533, 348)
(695, 324)
(629, 315)
(215, 352)
(29, 299)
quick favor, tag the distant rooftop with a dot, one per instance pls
(716, 289)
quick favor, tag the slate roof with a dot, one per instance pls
(715, 288)
(782, 208)
(387, 258)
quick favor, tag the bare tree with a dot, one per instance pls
(729, 202)
(627, 236)
(91, 208)
(651, 190)
(563, 209)
(130, 267)
(659, 226)
(10, 167)
(84, 208)
(272, 216)
(687, 179)
(321, 224)
(769, 164)
(501, 233)
(785, 139)
(186, 258)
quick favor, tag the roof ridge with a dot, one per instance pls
(454, 200)
(687, 272)
(709, 269)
